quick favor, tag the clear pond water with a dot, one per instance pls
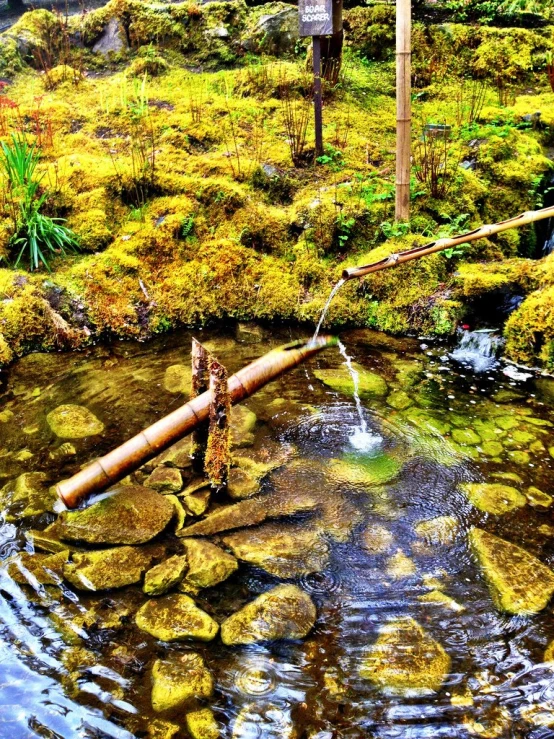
(75, 664)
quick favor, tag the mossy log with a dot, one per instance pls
(131, 455)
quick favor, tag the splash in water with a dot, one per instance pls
(478, 349)
(325, 310)
(361, 439)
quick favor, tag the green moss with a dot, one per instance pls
(74, 422)
(370, 384)
(177, 681)
(493, 497)
(175, 617)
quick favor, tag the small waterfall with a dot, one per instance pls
(478, 350)
(325, 310)
(548, 247)
(361, 439)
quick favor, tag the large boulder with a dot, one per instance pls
(179, 680)
(518, 581)
(132, 515)
(275, 33)
(112, 39)
(284, 612)
(105, 569)
(26, 496)
(208, 565)
(286, 550)
(175, 617)
(405, 659)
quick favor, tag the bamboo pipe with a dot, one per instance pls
(482, 232)
(128, 457)
(403, 107)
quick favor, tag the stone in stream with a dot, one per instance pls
(519, 583)
(105, 569)
(208, 565)
(537, 498)
(370, 384)
(177, 379)
(493, 497)
(165, 576)
(377, 539)
(405, 659)
(265, 720)
(440, 530)
(132, 515)
(28, 569)
(284, 612)
(285, 550)
(74, 422)
(242, 425)
(400, 566)
(180, 680)
(367, 472)
(201, 724)
(165, 480)
(549, 652)
(26, 496)
(250, 512)
(175, 617)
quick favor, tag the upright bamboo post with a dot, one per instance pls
(403, 107)
(199, 384)
(218, 456)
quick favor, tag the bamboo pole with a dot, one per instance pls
(218, 456)
(200, 383)
(403, 107)
(131, 455)
(393, 260)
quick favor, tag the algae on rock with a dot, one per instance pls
(74, 422)
(105, 569)
(174, 618)
(493, 497)
(179, 680)
(208, 565)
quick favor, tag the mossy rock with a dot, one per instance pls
(493, 497)
(27, 496)
(165, 480)
(405, 659)
(208, 565)
(370, 384)
(399, 400)
(284, 612)
(466, 437)
(518, 581)
(105, 569)
(364, 471)
(377, 539)
(132, 515)
(400, 566)
(286, 550)
(177, 379)
(46, 569)
(202, 724)
(179, 680)
(538, 498)
(441, 530)
(174, 618)
(74, 422)
(165, 575)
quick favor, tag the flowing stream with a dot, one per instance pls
(326, 307)
(387, 542)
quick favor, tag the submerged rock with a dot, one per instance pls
(46, 569)
(376, 539)
(264, 720)
(133, 515)
(400, 566)
(370, 384)
(518, 581)
(201, 724)
(208, 565)
(242, 425)
(365, 472)
(405, 659)
(177, 379)
(165, 576)
(178, 680)
(284, 612)
(28, 495)
(283, 549)
(437, 597)
(176, 617)
(537, 498)
(440, 530)
(74, 422)
(493, 497)
(107, 568)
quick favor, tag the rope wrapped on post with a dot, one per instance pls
(482, 232)
(117, 464)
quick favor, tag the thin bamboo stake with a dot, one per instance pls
(403, 107)
(393, 260)
(200, 383)
(218, 456)
(131, 455)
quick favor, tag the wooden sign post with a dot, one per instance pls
(319, 18)
(403, 108)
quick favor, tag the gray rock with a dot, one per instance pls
(275, 34)
(112, 39)
(220, 32)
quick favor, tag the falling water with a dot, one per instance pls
(362, 439)
(478, 349)
(334, 291)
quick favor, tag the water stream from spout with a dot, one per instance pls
(361, 439)
(325, 310)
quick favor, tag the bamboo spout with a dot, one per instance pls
(128, 457)
(434, 246)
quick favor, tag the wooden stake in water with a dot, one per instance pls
(218, 456)
(199, 384)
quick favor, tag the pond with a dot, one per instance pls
(390, 541)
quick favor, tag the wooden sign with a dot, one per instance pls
(320, 17)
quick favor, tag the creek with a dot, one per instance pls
(389, 543)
